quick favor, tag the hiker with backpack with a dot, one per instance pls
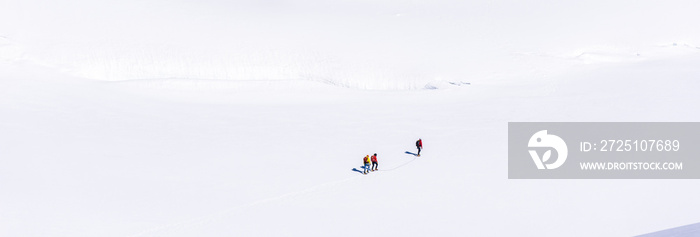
(366, 167)
(419, 145)
(375, 164)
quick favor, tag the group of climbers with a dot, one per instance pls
(373, 159)
(367, 160)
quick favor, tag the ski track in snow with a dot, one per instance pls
(165, 230)
(399, 166)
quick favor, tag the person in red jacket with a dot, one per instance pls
(419, 145)
(375, 164)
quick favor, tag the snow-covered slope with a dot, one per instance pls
(683, 231)
(86, 158)
(132, 118)
(365, 44)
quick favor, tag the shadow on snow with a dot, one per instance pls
(356, 170)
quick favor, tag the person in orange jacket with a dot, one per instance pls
(366, 166)
(375, 164)
(419, 145)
